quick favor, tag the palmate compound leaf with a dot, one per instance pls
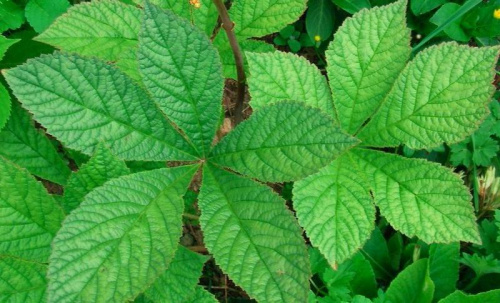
(368, 53)
(281, 76)
(282, 142)
(182, 71)
(253, 237)
(28, 147)
(441, 96)
(419, 198)
(257, 18)
(413, 284)
(83, 101)
(179, 281)
(29, 216)
(102, 167)
(22, 281)
(101, 28)
(335, 208)
(123, 236)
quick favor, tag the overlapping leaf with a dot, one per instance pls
(336, 209)
(5, 106)
(420, 198)
(253, 237)
(201, 296)
(41, 13)
(461, 297)
(28, 147)
(22, 281)
(281, 76)
(368, 53)
(123, 236)
(413, 284)
(281, 142)
(443, 268)
(30, 217)
(182, 71)
(439, 97)
(83, 101)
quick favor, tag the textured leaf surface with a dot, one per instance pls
(103, 166)
(335, 208)
(100, 28)
(30, 217)
(182, 71)
(443, 268)
(123, 235)
(284, 76)
(28, 147)
(256, 18)
(201, 296)
(253, 237)
(439, 97)
(41, 13)
(179, 281)
(420, 198)
(5, 105)
(413, 284)
(84, 101)
(281, 142)
(22, 281)
(368, 53)
(461, 297)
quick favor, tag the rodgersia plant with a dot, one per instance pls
(115, 234)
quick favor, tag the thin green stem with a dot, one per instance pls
(475, 186)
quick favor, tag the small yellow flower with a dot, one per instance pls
(195, 3)
(496, 13)
(317, 38)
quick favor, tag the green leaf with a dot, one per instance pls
(83, 101)
(441, 96)
(420, 7)
(443, 268)
(201, 296)
(453, 30)
(281, 76)
(41, 13)
(377, 252)
(5, 106)
(320, 19)
(30, 217)
(257, 18)
(461, 297)
(5, 44)
(282, 142)
(351, 6)
(104, 29)
(368, 52)
(11, 15)
(414, 194)
(28, 147)
(123, 236)
(413, 284)
(181, 70)
(102, 167)
(179, 281)
(481, 265)
(251, 233)
(335, 208)
(22, 281)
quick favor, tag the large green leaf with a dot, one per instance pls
(179, 281)
(281, 142)
(413, 284)
(256, 18)
(461, 297)
(5, 106)
(420, 198)
(41, 13)
(123, 236)
(368, 52)
(102, 167)
(22, 281)
(28, 147)
(283, 76)
(104, 29)
(253, 237)
(335, 208)
(84, 101)
(441, 96)
(182, 71)
(443, 268)
(30, 217)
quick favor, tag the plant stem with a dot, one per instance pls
(228, 27)
(475, 187)
(190, 216)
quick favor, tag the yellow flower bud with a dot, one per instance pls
(195, 3)
(496, 13)
(317, 38)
